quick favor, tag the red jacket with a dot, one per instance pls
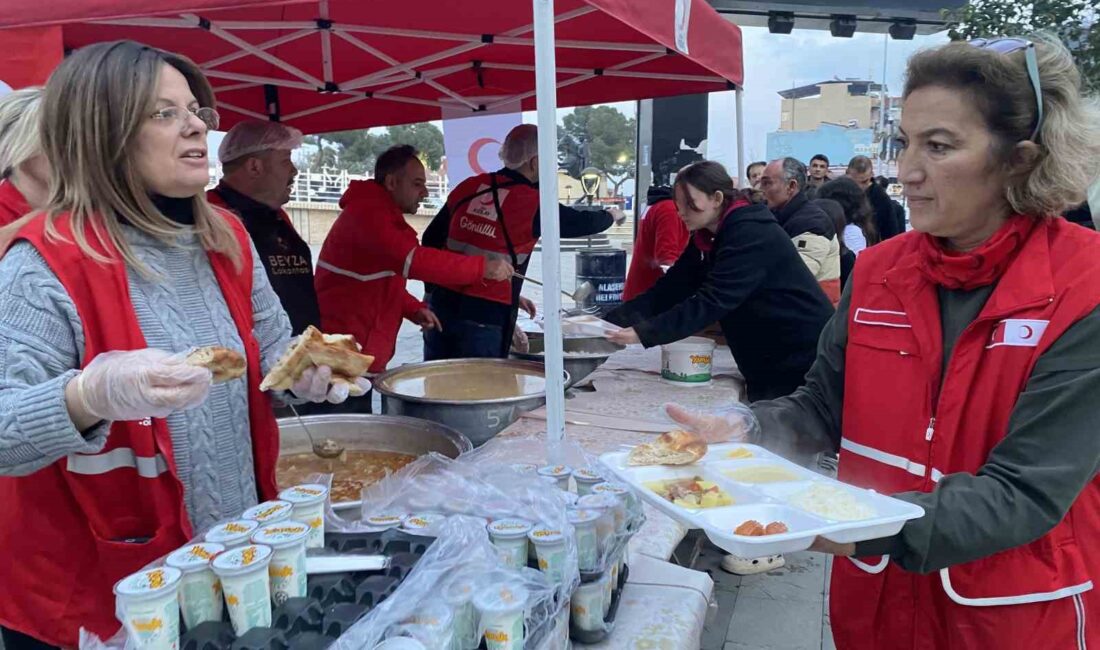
(72, 530)
(12, 203)
(662, 236)
(478, 229)
(909, 437)
(361, 272)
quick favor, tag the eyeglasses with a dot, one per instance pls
(179, 115)
(1008, 46)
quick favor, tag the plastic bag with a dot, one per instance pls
(733, 423)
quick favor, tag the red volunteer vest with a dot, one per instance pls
(908, 437)
(477, 227)
(71, 530)
(12, 203)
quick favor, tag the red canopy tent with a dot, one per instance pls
(329, 65)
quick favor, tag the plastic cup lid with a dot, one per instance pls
(587, 475)
(510, 528)
(546, 535)
(582, 516)
(232, 531)
(242, 560)
(501, 599)
(301, 495)
(268, 511)
(433, 615)
(611, 488)
(281, 534)
(149, 583)
(193, 557)
(422, 521)
(557, 471)
(386, 520)
(525, 468)
(597, 501)
(460, 591)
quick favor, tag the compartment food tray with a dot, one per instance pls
(763, 502)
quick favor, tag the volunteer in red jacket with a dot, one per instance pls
(371, 251)
(662, 236)
(24, 172)
(962, 369)
(495, 216)
(113, 451)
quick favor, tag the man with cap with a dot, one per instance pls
(257, 177)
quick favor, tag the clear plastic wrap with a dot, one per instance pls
(731, 423)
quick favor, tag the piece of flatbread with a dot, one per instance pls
(338, 351)
(224, 363)
(675, 447)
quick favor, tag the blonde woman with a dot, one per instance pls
(962, 367)
(24, 172)
(114, 451)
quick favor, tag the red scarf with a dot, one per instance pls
(977, 268)
(704, 238)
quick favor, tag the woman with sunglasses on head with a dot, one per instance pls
(113, 450)
(985, 324)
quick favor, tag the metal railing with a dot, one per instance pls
(328, 185)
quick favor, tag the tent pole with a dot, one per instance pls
(740, 139)
(546, 101)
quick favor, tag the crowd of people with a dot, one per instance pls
(983, 319)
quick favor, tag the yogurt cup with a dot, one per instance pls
(386, 521)
(587, 605)
(585, 478)
(436, 623)
(588, 549)
(200, 592)
(459, 597)
(604, 504)
(687, 362)
(232, 534)
(288, 541)
(148, 604)
(269, 512)
(509, 536)
(621, 494)
(560, 474)
(246, 586)
(550, 550)
(501, 609)
(424, 523)
(308, 506)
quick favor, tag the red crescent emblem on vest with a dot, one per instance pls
(475, 150)
(1026, 332)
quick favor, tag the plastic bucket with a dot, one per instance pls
(688, 361)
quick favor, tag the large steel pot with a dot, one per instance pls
(479, 420)
(583, 354)
(371, 433)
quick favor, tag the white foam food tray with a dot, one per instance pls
(763, 502)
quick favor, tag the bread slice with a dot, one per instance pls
(338, 351)
(224, 363)
(676, 447)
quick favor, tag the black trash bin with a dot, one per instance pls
(606, 270)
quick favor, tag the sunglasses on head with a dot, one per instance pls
(1008, 46)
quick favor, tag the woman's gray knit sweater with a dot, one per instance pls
(42, 343)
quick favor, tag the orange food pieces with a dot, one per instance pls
(753, 528)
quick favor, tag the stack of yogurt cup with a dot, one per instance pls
(242, 566)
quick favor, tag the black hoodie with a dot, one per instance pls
(755, 284)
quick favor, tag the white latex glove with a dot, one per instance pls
(735, 424)
(520, 342)
(315, 385)
(138, 384)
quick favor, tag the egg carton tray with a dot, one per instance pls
(333, 602)
(764, 502)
